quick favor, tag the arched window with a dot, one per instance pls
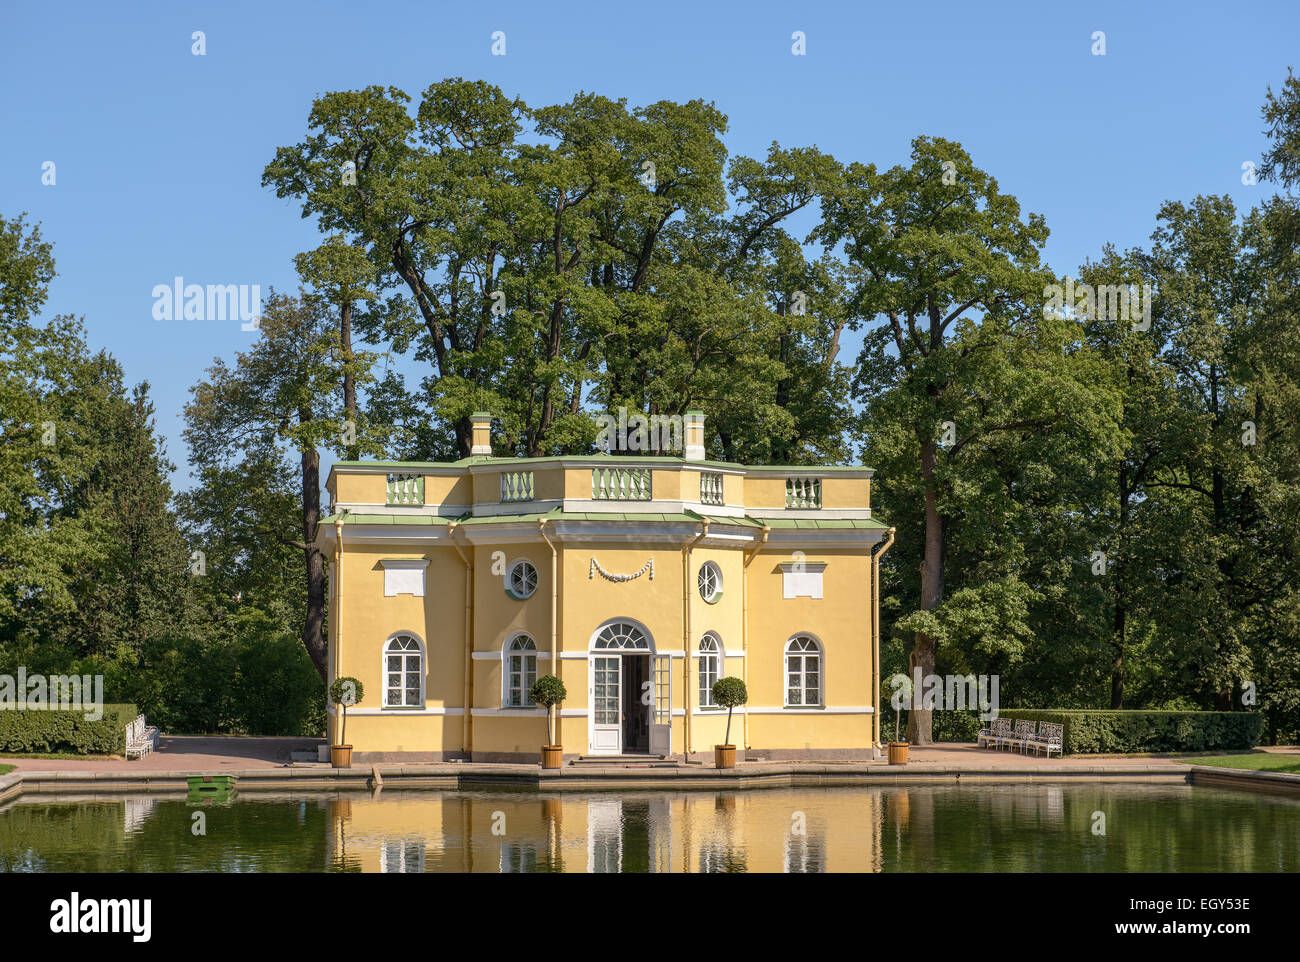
(520, 671)
(403, 672)
(621, 634)
(710, 665)
(803, 672)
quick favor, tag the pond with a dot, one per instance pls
(1030, 827)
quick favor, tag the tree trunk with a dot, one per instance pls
(313, 637)
(349, 382)
(1117, 669)
(920, 721)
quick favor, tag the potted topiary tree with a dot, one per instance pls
(898, 747)
(902, 696)
(548, 691)
(344, 692)
(728, 693)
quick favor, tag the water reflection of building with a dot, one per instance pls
(758, 831)
(135, 811)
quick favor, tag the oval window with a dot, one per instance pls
(521, 581)
(710, 582)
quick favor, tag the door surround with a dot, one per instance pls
(617, 643)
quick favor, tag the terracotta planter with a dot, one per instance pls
(551, 755)
(724, 756)
(341, 756)
(898, 753)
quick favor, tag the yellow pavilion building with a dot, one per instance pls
(638, 581)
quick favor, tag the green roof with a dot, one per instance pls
(859, 523)
(689, 517)
(350, 518)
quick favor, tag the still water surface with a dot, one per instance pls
(990, 828)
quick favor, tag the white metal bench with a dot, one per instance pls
(1050, 738)
(141, 739)
(1019, 738)
(989, 736)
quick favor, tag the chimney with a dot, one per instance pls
(694, 424)
(481, 440)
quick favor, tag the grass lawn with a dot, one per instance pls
(73, 755)
(1254, 761)
(6, 768)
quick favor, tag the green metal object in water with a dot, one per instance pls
(211, 788)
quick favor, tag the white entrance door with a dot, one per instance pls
(661, 717)
(605, 697)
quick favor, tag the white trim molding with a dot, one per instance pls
(404, 576)
(829, 710)
(526, 712)
(801, 579)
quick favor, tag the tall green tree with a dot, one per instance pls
(540, 260)
(968, 384)
(92, 562)
(282, 399)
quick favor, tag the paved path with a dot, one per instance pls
(180, 753)
(183, 753)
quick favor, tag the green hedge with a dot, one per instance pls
(1093, 732)
(43, 732)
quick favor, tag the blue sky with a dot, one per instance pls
(159, 153)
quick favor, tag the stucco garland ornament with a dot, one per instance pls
(595, 567)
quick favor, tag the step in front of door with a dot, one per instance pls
(658, 761)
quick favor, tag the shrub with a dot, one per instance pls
(279, 692)
(956, 726)
(1094, 732)
(43, 732)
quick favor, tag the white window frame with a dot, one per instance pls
(510, 575)
(715, 655)
(404, 653)
(709, 570)
(508, 651)
(803, 654)
(617, 628)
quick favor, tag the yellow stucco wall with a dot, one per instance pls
(840, 621)
(360, 488)
(366, 619)
(448, 491)
(846, 492)
(764, 492)
(548, 483)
